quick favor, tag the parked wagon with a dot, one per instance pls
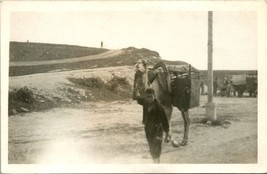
(242, 83)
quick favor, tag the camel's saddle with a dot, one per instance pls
(182, 82)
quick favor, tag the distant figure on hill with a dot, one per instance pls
(101, 44)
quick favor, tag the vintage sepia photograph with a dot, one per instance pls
(132, 86)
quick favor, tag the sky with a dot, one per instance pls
(175, 35)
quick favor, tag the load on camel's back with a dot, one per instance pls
(174, 85)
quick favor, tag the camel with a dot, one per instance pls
(159, 78)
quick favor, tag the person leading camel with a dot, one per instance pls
(155, 122)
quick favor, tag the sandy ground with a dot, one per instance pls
(111, 132)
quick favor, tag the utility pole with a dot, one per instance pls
(210, 106)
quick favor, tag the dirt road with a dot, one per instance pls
(107, 54)
(105, 132)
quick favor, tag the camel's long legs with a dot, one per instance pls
(185, 115)
(168, 112)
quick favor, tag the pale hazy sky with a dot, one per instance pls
(175, 35)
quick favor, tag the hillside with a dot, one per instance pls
(45, 91)
(29, 51)
(126, 57)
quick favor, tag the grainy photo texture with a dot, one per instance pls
(140, 84)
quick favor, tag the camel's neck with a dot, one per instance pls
(142, 82)
(159, 84)
(161, 89)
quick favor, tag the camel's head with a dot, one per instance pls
(141, 65)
